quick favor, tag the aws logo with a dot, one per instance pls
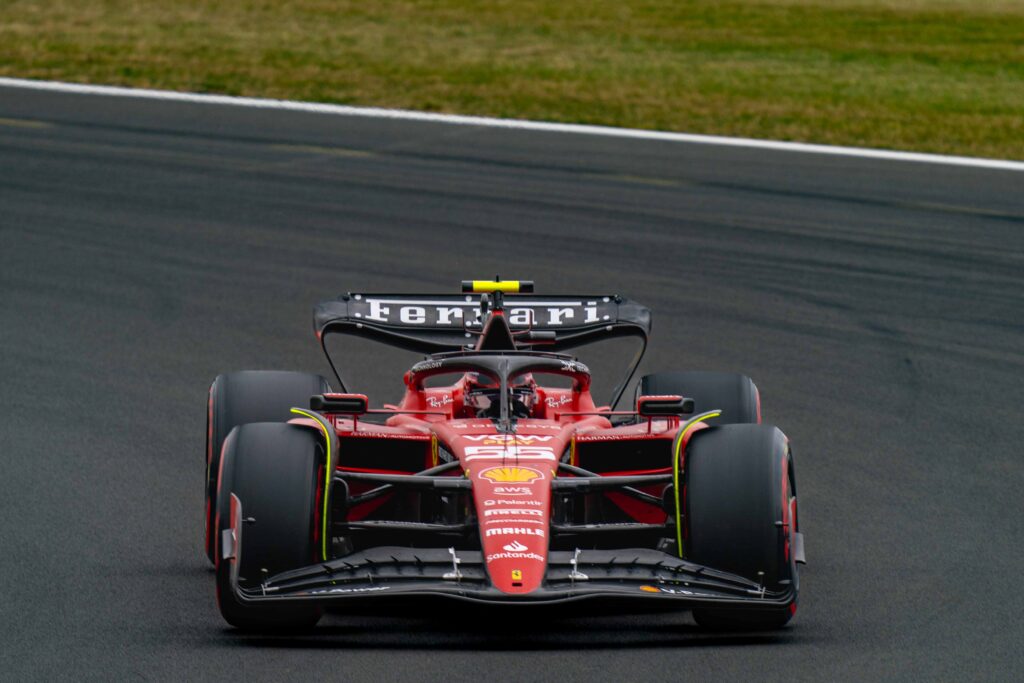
(515, 491)
(511, 474)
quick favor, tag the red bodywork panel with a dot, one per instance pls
(511, 474)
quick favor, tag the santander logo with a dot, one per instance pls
(515, 547)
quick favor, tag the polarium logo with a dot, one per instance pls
(511, 474)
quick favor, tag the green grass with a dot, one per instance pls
(929, 75)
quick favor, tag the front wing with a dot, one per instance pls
(635, 573)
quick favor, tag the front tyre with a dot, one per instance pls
(274, 469)
(238, 398)
(741, 516)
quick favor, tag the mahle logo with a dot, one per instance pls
(511, 474)
(516, 530)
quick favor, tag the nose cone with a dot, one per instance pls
(511, 475)
(513, 503)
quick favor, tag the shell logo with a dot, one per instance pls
(511, 474)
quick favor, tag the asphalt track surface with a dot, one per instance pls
(147, 246)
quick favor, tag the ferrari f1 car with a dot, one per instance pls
(497, 478)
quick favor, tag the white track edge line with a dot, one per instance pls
(515, 124)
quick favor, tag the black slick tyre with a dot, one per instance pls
(740, 516)
(732, 393)
(274, 470)
(239, 398)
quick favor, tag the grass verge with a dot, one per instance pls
(929, 75)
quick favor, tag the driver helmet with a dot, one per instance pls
(482, 395)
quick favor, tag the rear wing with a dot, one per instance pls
(435, 323)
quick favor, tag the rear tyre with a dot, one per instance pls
(239, 398)
(732, 393)
(274, 470)
(740, 516)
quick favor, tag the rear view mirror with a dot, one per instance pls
(348, 404)
(664, 406)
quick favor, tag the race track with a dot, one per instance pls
(146, 246)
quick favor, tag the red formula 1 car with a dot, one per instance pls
(497, 478)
